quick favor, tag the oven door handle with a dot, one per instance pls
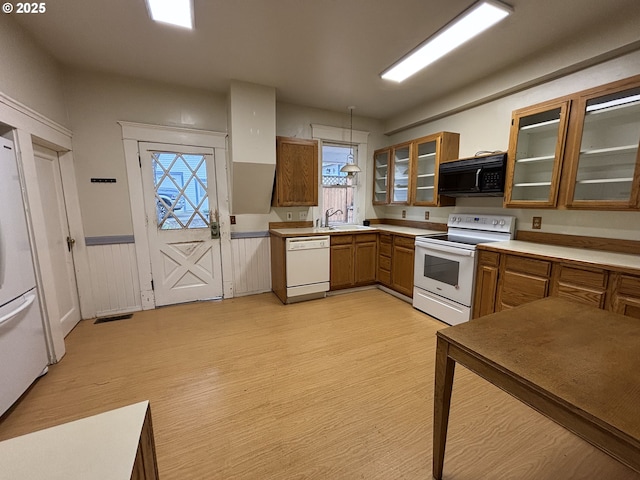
(442, 248)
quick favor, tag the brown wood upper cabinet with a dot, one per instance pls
(536, 148)
(296, 182)
(407, 173)
(602, 147)
(381, 176)
(579, 151)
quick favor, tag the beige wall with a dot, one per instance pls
(487, 128)
(295, 121)
(28, 74)
(96, 102)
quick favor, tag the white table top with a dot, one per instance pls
(101, 447)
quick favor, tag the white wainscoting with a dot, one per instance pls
(251, 265)
(114, 273)
(114, 278)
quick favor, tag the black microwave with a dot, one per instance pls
(473, 177)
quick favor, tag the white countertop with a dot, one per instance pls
(286, 232)
(597, 258)
(101, 447)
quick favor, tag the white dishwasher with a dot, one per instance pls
(307, 267)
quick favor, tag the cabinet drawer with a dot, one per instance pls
(404, 241)
(384, 263)
(489, 258)
(593, 297)
(366, 237)
(385, 238)
(341, 239)
(628, 285)
(578, 276)
(385, 249)
(384, 277)
(528, 265)
(518, 289)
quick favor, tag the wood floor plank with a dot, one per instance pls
(338, 388)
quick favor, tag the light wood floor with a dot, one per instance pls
(339, 388)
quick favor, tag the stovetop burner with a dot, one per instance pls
(458, 239)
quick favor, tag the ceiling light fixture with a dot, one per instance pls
(350, 168)
(472, 22)
(173, 12)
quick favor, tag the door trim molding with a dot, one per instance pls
(132, 133)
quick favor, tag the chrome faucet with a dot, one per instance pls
(327, 215)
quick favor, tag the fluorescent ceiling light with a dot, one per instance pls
(472, 22)
(174, 12)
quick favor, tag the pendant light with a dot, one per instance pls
(350, 168)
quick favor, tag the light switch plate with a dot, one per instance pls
(289, 216)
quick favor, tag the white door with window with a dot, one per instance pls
(59, 241)
(181, 205)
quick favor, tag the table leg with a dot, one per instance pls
(445, 367)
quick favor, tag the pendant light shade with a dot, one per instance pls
(350, 168)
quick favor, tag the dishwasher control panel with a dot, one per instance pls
(307, 243)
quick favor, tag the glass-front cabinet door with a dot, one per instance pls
(604, 149)
(536, 147)
(381, 170)
(425, 172)
(401, 158)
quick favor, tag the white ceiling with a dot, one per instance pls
(319, 53)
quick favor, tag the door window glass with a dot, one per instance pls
(441, 269)
(180, 182)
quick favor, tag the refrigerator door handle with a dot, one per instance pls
(29, 300)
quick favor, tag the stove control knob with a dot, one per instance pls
(495, 222)
(502, 222)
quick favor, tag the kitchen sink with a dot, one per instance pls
(342, 228)
(350, 227)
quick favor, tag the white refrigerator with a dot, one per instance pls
(23, 350)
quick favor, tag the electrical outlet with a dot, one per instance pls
(302, 216)
(289, 216)
(232, 219)
(404, 214)
(537, 223)
(426, 215)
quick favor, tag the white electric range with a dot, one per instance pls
(445, 265)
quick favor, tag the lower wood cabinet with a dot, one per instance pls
(402, 261)
(341, 267)
(580, 284)
(353, 260)
(522, 280)
(625, 295)
(506, 280)
(366, 258)
(486, 283)
(384, 259)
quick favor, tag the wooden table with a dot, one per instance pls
(578, 365)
